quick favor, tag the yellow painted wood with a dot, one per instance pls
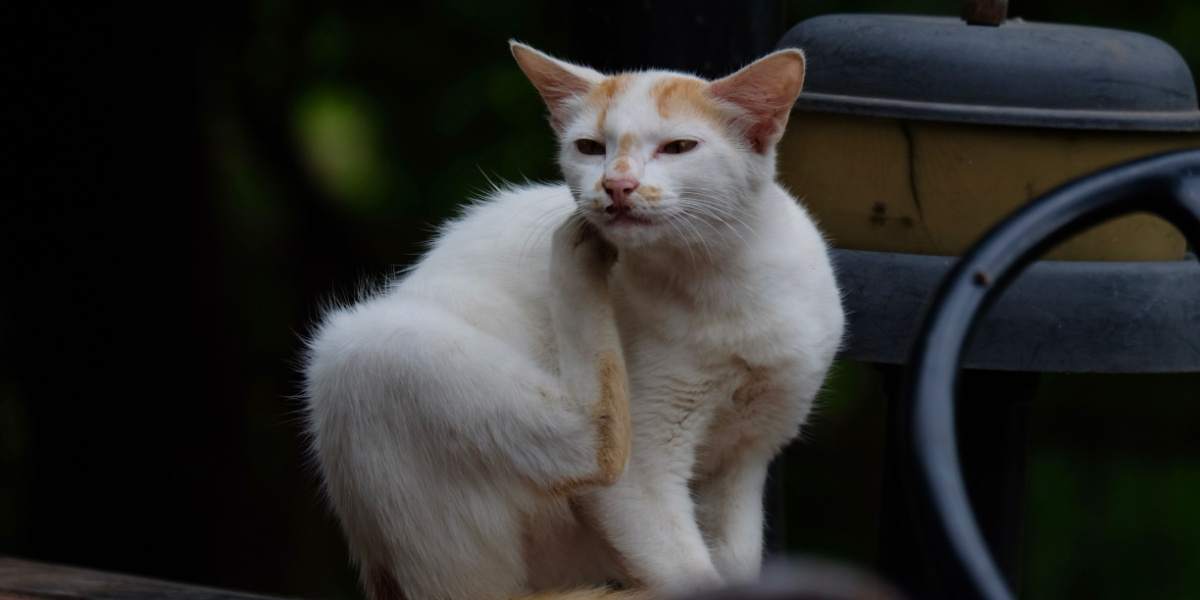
(853, 175)
(935, 188)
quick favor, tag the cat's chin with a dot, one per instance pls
(631, 232)
(628, 220)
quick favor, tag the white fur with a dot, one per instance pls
(442, 409)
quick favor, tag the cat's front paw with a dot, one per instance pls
(579, 250)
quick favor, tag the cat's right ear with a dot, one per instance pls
(559, 83)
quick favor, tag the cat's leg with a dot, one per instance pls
(649, 516)
(768, 411)
(591, 361)
(730, 512)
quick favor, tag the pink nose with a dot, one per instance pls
(619, 190)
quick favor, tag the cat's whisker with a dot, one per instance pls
(720, 208)
(495, 188)
(716, 232)
(699, 238)
(670, 220)
(720, 211)
(715, 213)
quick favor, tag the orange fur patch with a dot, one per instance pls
(625, 144)
(611, 86)
(612, 417)
(602, 96)
(650, 193)
(680, 95)
(614, 432)
(755, 384)
(624, 148)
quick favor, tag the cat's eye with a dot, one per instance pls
(589, 147)
(678, 146)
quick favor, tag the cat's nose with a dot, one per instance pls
(619, 189)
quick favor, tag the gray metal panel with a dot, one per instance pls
(1019, 73)
(1070, 317)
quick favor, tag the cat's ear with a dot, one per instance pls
(764, 91)
(557, 81)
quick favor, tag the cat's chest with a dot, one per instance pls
(711, 413)
(680, 383)
(709, 375)
(706, 399)
(695, 363)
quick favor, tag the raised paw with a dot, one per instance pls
(579, 251)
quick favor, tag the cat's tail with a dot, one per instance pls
(600, 593)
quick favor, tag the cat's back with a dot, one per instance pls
(490, 266)
(503, 228)
(500, 243)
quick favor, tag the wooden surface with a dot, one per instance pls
(23, 580)
(924, 187)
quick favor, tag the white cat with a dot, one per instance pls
(582, 384)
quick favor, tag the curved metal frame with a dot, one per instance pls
(1167, 185)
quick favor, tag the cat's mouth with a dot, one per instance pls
(629, 220)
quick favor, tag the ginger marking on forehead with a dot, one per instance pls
(676, 95)
(625, 144)
(602, 96)
(624, 150)
(611, 86)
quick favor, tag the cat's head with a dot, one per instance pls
(658, 156)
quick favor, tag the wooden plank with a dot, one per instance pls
(25, 580)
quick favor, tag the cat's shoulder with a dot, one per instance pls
(788, 237)
(791, 261)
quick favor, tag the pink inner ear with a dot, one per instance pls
(763, 133)
(554, 83)
(557, 86)
(765, 90)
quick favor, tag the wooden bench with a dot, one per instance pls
(25, 580)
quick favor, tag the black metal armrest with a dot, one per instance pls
(1167, 185)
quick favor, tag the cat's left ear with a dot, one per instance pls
(560, 83)
(764, 91)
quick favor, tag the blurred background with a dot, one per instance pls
(192, 185)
